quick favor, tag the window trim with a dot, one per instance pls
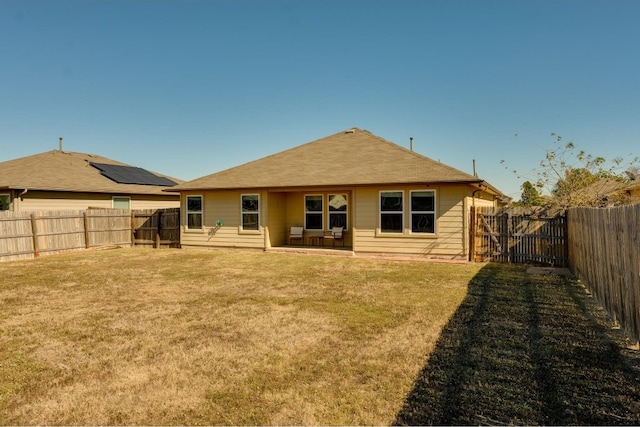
(113, 201)
(9, 201)
(242, 213)
(320, 212)
(381, 212)
(345, 213)
(434, 212)
(200, 212)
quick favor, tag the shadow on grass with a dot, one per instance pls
(526, 349)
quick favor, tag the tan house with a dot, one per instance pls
(62, 180)
(387, 199)
(633, 192)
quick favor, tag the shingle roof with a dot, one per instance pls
(68, 171)
(352, 157)
(633, 185)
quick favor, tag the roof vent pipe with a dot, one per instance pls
(60, 144)
(411, 143)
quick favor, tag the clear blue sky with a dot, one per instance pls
(188, 88)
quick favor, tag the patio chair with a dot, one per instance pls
(336, 234)
(296, 233)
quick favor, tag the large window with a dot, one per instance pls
(121, 202)
(313, 212)
(194, 212)
(423, 212)
(5, 202)
(250, 211)
(337, 210)
(391, 211)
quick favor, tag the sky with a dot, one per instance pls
(189, 88)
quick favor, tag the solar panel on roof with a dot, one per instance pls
(131, 175)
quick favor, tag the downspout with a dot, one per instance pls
(473, 197)
(16, 207)
(471, 223)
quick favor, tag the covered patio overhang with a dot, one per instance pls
(313, 214)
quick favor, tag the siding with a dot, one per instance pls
(281, 210)
(449, 241)
(223, 206)
(295, 209)
(149, 202)
(50, 200)
(276, 206)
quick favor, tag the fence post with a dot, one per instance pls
(158, 229)
(472, 234)
(565, 238)
(509, 233)
(133, 228)
(86, 230)
(34, 233)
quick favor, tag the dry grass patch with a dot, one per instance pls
(217, 337)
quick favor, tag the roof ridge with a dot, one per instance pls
(423, 156)
(352, 156)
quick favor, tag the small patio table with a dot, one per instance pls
(316, 240)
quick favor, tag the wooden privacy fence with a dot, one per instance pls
(25, 235)
(156, 227)
(519, 235)
(604, 251)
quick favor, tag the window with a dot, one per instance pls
(423, 212)
(391, 211)
(121, 202)
(313, 217)
(5, 202)
(250, 211)
(337, 210)
(194, 212)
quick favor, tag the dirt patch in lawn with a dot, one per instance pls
(527, 349)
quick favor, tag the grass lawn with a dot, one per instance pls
(135, 336)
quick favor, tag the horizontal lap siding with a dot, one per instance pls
(295, 210)
(36, 201)
(448, 242)
(49, 200)
(223, 206)
(276, 218)
(149, 202)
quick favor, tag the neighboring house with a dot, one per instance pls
(633, 191)
(61, 180)
(388, 198)
(605, 192)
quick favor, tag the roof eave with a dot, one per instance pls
(80, 190)
(334, 185)
(485, 186)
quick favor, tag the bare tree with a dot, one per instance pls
(572, 177)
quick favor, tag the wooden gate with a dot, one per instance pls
(156, 227)
(519, 235)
